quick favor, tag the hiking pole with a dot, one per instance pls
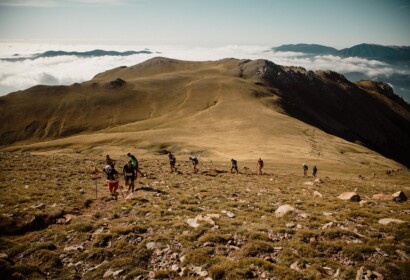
(120, 187)
(95, 177)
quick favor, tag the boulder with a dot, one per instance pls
(349, 196)
(399, 196)
(283, 209)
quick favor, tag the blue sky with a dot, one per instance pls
(208, 22)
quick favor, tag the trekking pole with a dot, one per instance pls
(120, 187)
(95, 178)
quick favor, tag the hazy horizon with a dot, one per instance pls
(208, 23)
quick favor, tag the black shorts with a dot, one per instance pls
(132, 178)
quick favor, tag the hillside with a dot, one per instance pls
(58, 220)
(221, 108)
(306, 48)
(391, 54)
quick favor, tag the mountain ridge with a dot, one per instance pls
(364, 50)
(180, 100)
(93, 53)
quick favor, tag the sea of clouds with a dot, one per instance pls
(65, 70)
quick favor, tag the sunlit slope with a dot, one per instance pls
(227, 108)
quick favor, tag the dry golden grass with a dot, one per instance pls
(252, 244)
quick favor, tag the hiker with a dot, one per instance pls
(135, 164)
(314, 171)
(234, 166)
(172, 162)
(305, 169)
(260, 166)
(112, 180)
(109, 161)
(194, 163)
(129, 175)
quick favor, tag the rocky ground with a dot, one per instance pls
(210, 225)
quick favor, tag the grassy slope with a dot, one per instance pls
(255, 243)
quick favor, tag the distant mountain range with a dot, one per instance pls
(93, 53)
(390, 54)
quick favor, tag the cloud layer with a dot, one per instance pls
(66, 70)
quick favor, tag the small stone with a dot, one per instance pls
(118, 272)
(151, 245)
(327, 214)
(297, 266)
(402, 254)
(192, 223)
(68, 218)
(304, 215)
(230, 214)
(316, 193)
(214, 216)
(283, 209)
(363, 203)
(381, 252)
(205, 219)
(309, 183)
(387, 221)
(4, 256)
(74, 248)
(328, 225)
(131, 196)
(337, 273)
(108, 273)
(290, 225)
(351, 196)
(174, 267)
(318, 181)
(299, 226)
(200, 271)
(40, 206)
